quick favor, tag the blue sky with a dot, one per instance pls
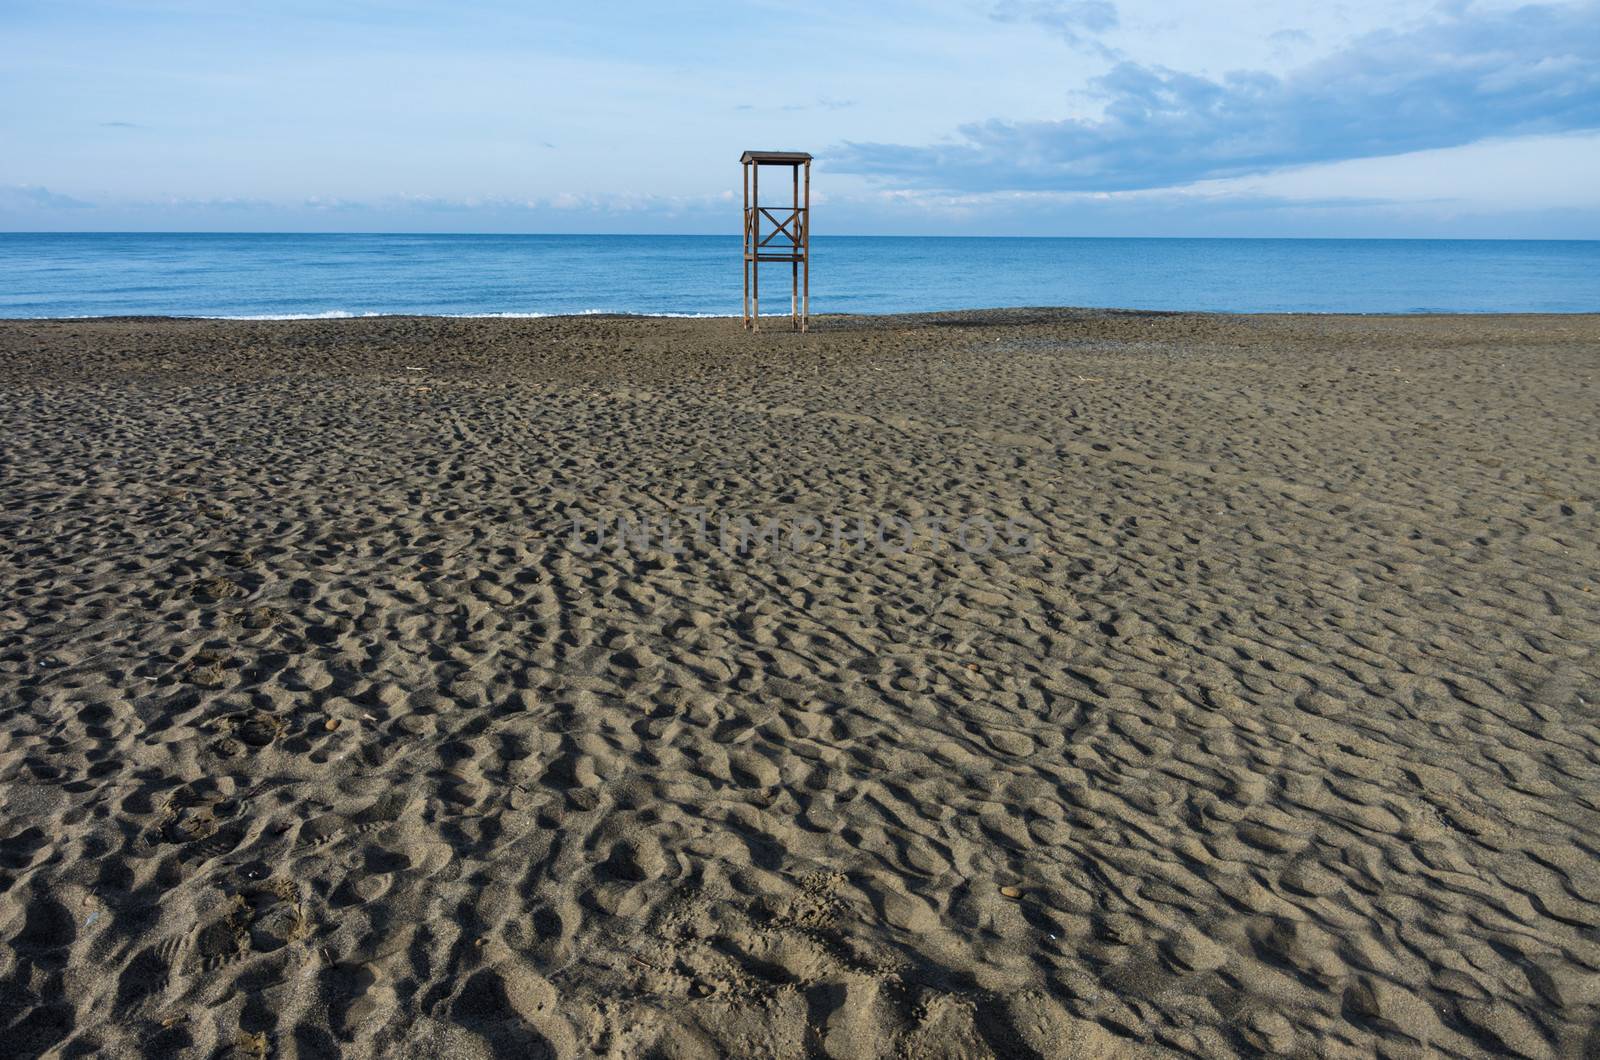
(1056, 117)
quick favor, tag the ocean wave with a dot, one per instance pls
(511, 315)
(345, 314)
(332, 314)
(587, 313)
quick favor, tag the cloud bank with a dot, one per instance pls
(1464, 77)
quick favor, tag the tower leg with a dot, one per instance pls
(794, 263)
(805, 304)
(744, 252)
(755, 242)
(805, 229)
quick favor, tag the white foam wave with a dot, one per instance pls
(586, 313)
(345, 314)
(332, 314)
(523, 316)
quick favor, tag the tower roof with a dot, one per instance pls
(775, 158)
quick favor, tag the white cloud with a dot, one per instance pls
(1462, 77)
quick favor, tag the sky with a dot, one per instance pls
(1357, 118)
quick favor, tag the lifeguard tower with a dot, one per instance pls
(788, 240)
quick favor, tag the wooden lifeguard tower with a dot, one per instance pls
(789, 240)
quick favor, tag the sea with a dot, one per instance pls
(279, 276)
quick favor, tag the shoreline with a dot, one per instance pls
(929, 315)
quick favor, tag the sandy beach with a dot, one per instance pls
(1021, 684)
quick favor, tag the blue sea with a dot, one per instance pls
(268, 276)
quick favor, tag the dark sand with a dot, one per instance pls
(319, 737)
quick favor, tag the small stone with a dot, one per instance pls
(1014, 893)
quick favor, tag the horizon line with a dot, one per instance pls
(837, 235)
